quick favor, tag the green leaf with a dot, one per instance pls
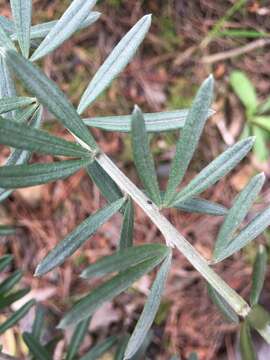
(10, 282)
(259, 319)
(264, 107)
(77, 338)
(107, 291)
(65, 27)
(7, 86)
(237, 213)
(23, 137)
(40, 31)
(258, 275)
(19, 157)
(38, 322)
(122, 260)
(189, 137)
(261, 143)
(7, 24)
(142, 156)
(13, 103)
(49, 95)
(5, 260)
(249, 233)
(126, 237)
(115, 62)
(262, 121)
(246, 346)
(104, 182)
(22, 13)
(120, 350)
(218, 168)
(10, 299)
(244, 89)
(23, 115)
(18, 176)
(77, 237)
(150, 309)
(98, 350)
(225, 309)
(36, 349)
(201, 206)
(154, 122)
(5, 40)
(6, 230)
(16, 316)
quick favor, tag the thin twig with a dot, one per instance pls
(210, 59)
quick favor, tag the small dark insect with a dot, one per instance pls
(149, 202)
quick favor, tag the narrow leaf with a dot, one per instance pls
(38, 322)
(222, 305)
(150, 310)
(22, 13)
(106, 292)
(262, 121)
(15, 317)
(126, 237)
(5, 40)
(98, 350)
(23, 115)
(201, 206)
(237, 213)
(10, 282)
(19, 157)
(121, 347)
(244, 89)
(259, 319)
(65, 27)
(77, 237)
(7, 24)
(14, 103)
(142, 156)
(6, 230)
(261, 143)
(103, 181)
(10, 299)
(23, 137)
(154, 122)
(189, 137)
(49, 95)
(36, 349)
(18, 176)
(115, 62)
(249, 233)
(246, 346)
(5, 260)
(122, 260)
(264, 107)
(7, 86)
(77, 338)
(218, 168)
(40, 31)
(258, 276)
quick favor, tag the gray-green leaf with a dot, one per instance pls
(5, 260)
(189, 137)
(201, 206)
(222, 305)
(77, 338)
(22, 13)
(13, 103)
(98, 350)
(10, 281)
(237, 213)
(77, 237)
(107, 291)
(115, 62)
(67, 25)
(218, 168)
(6, 230)
(47, 92)
(38, 322)
(15, 317)
(154, 122)
(126, 237)
(249, 233)
(150, 309)
(7, 86)
(246, 346)
(143, 159)
(39, 351)
(21, 136)
(18, 176)
(5, 40)
(258, 275)
(122, 260)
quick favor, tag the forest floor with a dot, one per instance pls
(176, 56)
